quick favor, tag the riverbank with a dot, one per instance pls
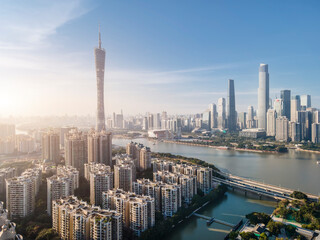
(306, 150)
(166, 226)
(220, 147)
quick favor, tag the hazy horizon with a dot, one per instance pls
(160, 56)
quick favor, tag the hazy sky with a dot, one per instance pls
(161, 55)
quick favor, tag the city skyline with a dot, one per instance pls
(52, 63)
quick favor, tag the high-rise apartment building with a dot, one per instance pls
(76, 150)
(145, 158)
(285, 95)
(123, 176)
(167, 196)
(231, 107)
(138, 212)
(188, 183)
(101, 179)
(20, 196)
(271, 122)
(204, 179)
(100, 147)
(59, 186)
(73, 219)
(5, 173)
(7, 130)
(263, 96)
(100, 56)
(63, 131)
(51, 146)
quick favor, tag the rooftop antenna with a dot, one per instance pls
(99, 37)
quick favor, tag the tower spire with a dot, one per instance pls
(99, 37)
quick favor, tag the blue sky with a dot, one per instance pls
(161, 55)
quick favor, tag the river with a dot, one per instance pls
(296, 170)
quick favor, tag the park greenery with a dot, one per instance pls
(296, 211)
(165, 226)
(257, 217)
(301, 211)
(234, 141)
(311, 146)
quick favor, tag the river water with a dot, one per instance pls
(296, 170)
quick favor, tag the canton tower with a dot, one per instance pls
(100, 56)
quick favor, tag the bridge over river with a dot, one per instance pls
(261, 189)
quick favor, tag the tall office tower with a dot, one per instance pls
(263, 96)
(74, 219)
(221, 113)
(279, 107)
(305, 101)
(271, 122)
(58, 186)
(156, 121)
(145, 158)
(316, 132)
(316, 116)
(100, 56)
(295, 107)
(206, 120)
(250, 118)
(119, 121)
(242, 120)
(76, 150)
(20, 196)
(63, 131)
(5, 173)
(282, 131)
(100, 147)
(138, 212)
(164, 115)
(100, 181)
(123, 176)
(150, 121)
(214, 115)
(231, 107)
(145, 124)
(51, 146)
(285, 95)
(295, 131)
